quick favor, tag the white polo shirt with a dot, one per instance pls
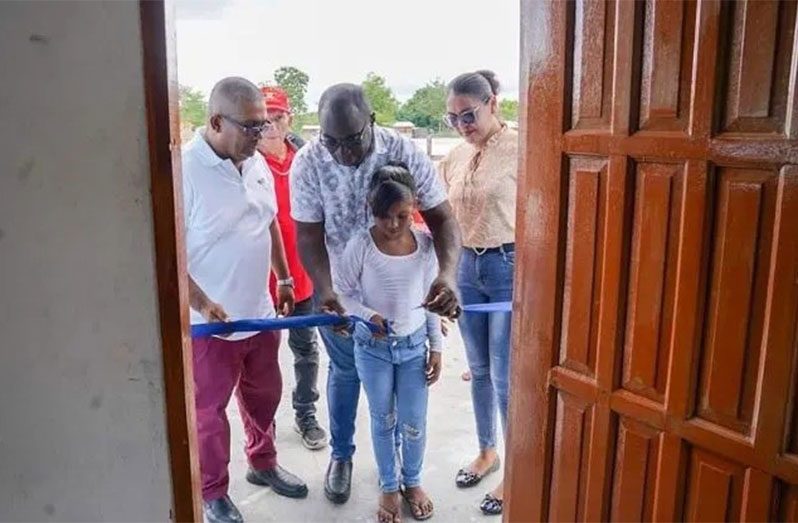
(228, 242)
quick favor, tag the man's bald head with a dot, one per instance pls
(344, 104)
(346, 123)
(231, 95)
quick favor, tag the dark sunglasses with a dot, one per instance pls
(467, 117)
(252, 131)
(350, 142)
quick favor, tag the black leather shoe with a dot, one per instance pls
(280, 480)
(338, 481)
(221, 510)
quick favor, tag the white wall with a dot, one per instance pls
(82, 424)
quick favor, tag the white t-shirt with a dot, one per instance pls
(371, 282)
(228, 241)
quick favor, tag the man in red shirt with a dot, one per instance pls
(278, 146)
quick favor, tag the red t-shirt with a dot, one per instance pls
(303, 286)
(419, 222)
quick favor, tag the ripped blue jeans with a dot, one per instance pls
(393, 373)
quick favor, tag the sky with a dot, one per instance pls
(408, 42)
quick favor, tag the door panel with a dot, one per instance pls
(654, 373)
(756, 54)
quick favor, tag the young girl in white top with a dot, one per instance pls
(385, 275)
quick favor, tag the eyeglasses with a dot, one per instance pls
(253, 131)
(467, 117)
(350, 142)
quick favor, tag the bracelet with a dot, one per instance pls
(288, 282)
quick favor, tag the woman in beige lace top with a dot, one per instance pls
(480, 176)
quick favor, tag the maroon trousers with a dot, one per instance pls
(220, 365)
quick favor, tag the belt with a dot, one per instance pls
(505, 247)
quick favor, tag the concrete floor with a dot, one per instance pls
(451, 443)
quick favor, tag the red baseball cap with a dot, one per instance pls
(276, 98)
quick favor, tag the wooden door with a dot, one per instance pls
(654, 372)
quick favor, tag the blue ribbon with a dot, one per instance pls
(486, 308)
(315, 320)
(271, 324)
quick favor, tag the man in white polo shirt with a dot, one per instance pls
(232, 241)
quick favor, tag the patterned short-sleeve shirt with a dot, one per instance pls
(322, 190)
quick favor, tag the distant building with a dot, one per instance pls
(404, 128)
(421, 132)
(310, 131)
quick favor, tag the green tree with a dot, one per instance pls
(193, 106)
(426, 107)
(509, 110)
(382, 100)
(295, 83)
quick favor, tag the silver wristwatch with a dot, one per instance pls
(288, 282)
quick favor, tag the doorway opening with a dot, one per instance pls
(404, 75)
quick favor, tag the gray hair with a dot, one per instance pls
(230, 93)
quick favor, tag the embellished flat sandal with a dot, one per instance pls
(491, 505)
(466, 478)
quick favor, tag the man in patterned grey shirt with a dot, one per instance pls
(329, 187)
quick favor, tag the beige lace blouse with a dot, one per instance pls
(482, 186)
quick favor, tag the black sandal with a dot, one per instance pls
(466, 478)
(491, 505)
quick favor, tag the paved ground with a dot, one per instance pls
(451, 443)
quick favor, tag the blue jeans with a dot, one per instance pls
(482, 279)
(393, 371)
(343, 392)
